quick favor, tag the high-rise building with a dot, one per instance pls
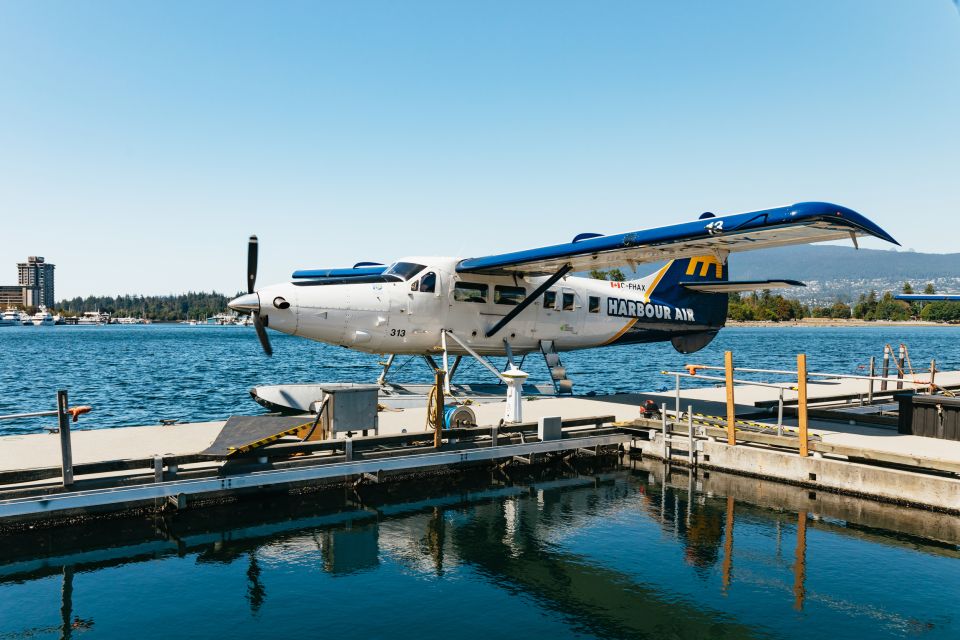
(36, 278)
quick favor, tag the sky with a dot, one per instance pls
(142, 142)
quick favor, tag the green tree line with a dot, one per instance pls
(170, 308)
(868, 306)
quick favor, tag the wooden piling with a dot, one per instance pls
(731, 411)
(802, 403)
(726, 568)
(800, 563)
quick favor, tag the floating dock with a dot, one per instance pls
(851, 447)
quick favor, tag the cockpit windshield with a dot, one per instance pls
(404, 270)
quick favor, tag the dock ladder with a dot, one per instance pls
(670, 436)
(558, 373)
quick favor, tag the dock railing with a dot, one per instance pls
(64, 415)
(798, 384)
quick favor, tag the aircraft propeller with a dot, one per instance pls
(252, 251)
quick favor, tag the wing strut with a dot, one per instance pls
(526, 302)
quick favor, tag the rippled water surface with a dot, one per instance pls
(623, 553)
(140, 374)
(606, 554)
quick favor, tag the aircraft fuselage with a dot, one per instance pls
(406, 316)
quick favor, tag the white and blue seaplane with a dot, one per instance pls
(516, 303)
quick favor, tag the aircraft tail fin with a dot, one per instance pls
(676, 284)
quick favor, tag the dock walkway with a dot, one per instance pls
(868, 460)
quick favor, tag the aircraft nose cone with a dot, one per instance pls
(246, 303)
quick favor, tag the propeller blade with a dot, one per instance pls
(252, 250)
(262, 334)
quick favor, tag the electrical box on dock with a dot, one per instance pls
(348, 408)
(931, 416)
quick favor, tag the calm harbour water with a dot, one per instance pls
(607, 554)
(621, 553)
(135, 375)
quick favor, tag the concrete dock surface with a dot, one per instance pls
(96, 445)
(856, 441)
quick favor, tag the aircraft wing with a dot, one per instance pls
(801, 223)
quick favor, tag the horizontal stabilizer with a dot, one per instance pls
(740, 285)
(928, 297)
(361, 270)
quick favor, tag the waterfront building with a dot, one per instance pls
(11, 296)
(36, 278)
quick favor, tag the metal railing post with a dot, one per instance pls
(780, 414)
(677, 416)
(885, 370)
(731, 410)
(873, 361)
(446, 366)
(901, 355)
(66, 452)
(802, 403)
(691, 458)
(666, 427)
(439, 402)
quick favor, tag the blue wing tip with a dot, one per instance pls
(858, 220)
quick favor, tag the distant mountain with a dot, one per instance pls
(830, 262)
(835, 272)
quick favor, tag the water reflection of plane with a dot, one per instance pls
(509, 533)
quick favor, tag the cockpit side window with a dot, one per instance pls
(428, 283)
(404, 270)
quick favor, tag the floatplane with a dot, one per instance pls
(527, 301)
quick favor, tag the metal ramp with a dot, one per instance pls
(558, 373)
(241, 434)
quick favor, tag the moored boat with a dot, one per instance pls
(10, 318)
(42, 318)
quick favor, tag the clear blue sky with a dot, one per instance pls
(141, 142)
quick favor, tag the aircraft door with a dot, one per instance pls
(424, 301)
(571, 310)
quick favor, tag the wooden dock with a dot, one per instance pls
(164, 467)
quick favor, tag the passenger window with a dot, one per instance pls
(567, 301)
(508, 295)
(428, 283)
(550, 300)
(593, 304)
(470, 292)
